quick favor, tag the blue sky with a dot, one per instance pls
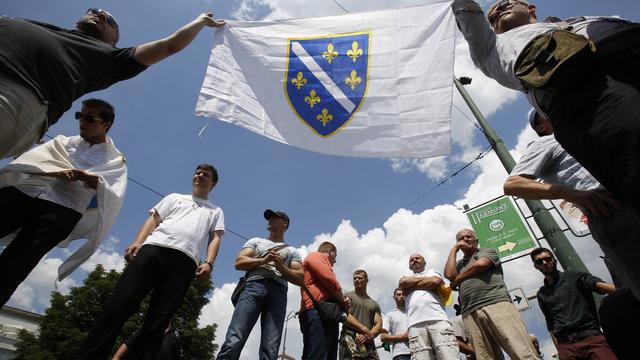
(360, 204)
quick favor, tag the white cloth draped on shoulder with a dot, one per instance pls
(52, 156)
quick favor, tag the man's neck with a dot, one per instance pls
(276, 237)
(551, 278)
(200, 194)
(362, 292)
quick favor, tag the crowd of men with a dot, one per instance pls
(587, 114)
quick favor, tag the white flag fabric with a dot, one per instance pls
(375, 84)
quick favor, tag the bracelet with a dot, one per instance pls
(210, 263)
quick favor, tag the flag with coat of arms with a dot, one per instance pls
(375, 84)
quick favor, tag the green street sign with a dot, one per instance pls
(499, 225)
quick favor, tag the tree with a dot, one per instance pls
(67, 321)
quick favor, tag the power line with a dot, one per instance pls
(457, 172)
(162, 196)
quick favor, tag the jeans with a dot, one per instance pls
(320, 338)
(266, 298)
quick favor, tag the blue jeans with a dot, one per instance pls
(320, 338)
(265, 298)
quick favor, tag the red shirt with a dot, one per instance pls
(319, 278)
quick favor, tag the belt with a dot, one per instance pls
(577, 336)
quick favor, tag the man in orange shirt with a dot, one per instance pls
(320, 337)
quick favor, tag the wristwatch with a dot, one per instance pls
(210, 263)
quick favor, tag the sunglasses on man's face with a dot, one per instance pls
(86, 117)
(543, 260)
(110, 19)
(500, 8)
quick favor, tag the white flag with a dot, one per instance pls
(375, 84)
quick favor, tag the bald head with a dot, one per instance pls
(417, 263)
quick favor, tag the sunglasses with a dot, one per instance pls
(543, 260)
(110, 19)
(499, 8)
(88, 118)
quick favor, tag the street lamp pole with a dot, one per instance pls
(290, 316)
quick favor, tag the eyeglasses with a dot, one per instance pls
(500, 8)
(543, 260)
(110, 19)
(88, 118)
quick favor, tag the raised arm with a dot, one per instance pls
(450, 268)
(526, 187)
(146, 229)
(155, 51)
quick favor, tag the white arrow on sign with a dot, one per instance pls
(519, 299)
(508, 246)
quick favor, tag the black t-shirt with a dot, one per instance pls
(61, 65)
(568, 304)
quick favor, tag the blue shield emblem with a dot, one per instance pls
(326, 79)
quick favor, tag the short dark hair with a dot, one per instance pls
(214, 172)
(106, 110)
(539, 251)
(326, 247)
(396, 289)
(360, 271)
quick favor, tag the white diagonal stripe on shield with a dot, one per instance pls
(325, 79)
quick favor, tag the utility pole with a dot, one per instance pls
(560, 245)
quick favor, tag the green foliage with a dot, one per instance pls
(67, 321)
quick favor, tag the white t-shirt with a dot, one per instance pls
(424, 305)
(395, 322)
(187, 223)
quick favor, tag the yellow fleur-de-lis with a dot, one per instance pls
(312, 99)
(330, 53)
(299, 81)
(324, 117)
(354, 80)
(354, 53)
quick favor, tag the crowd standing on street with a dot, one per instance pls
(587, 115)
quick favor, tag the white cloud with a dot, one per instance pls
(35, 292)
(106, 256)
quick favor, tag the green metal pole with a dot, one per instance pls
(566, 254)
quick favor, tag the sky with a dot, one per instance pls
(362, 205)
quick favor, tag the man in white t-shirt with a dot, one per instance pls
(430, 333)
(394, 328)
(164, 256)
(269, 264)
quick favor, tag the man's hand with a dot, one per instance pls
(596, 202)
(360, 339)
(346, 304)
(272, 256)
(131, 251)
(203, 271)
(210, 21)
(91, 181)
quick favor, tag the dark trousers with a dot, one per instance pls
(43, 225)
(619, 315)
(169, 273)
(320, 338)
(598, 122)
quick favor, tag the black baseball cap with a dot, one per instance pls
(268, 214)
